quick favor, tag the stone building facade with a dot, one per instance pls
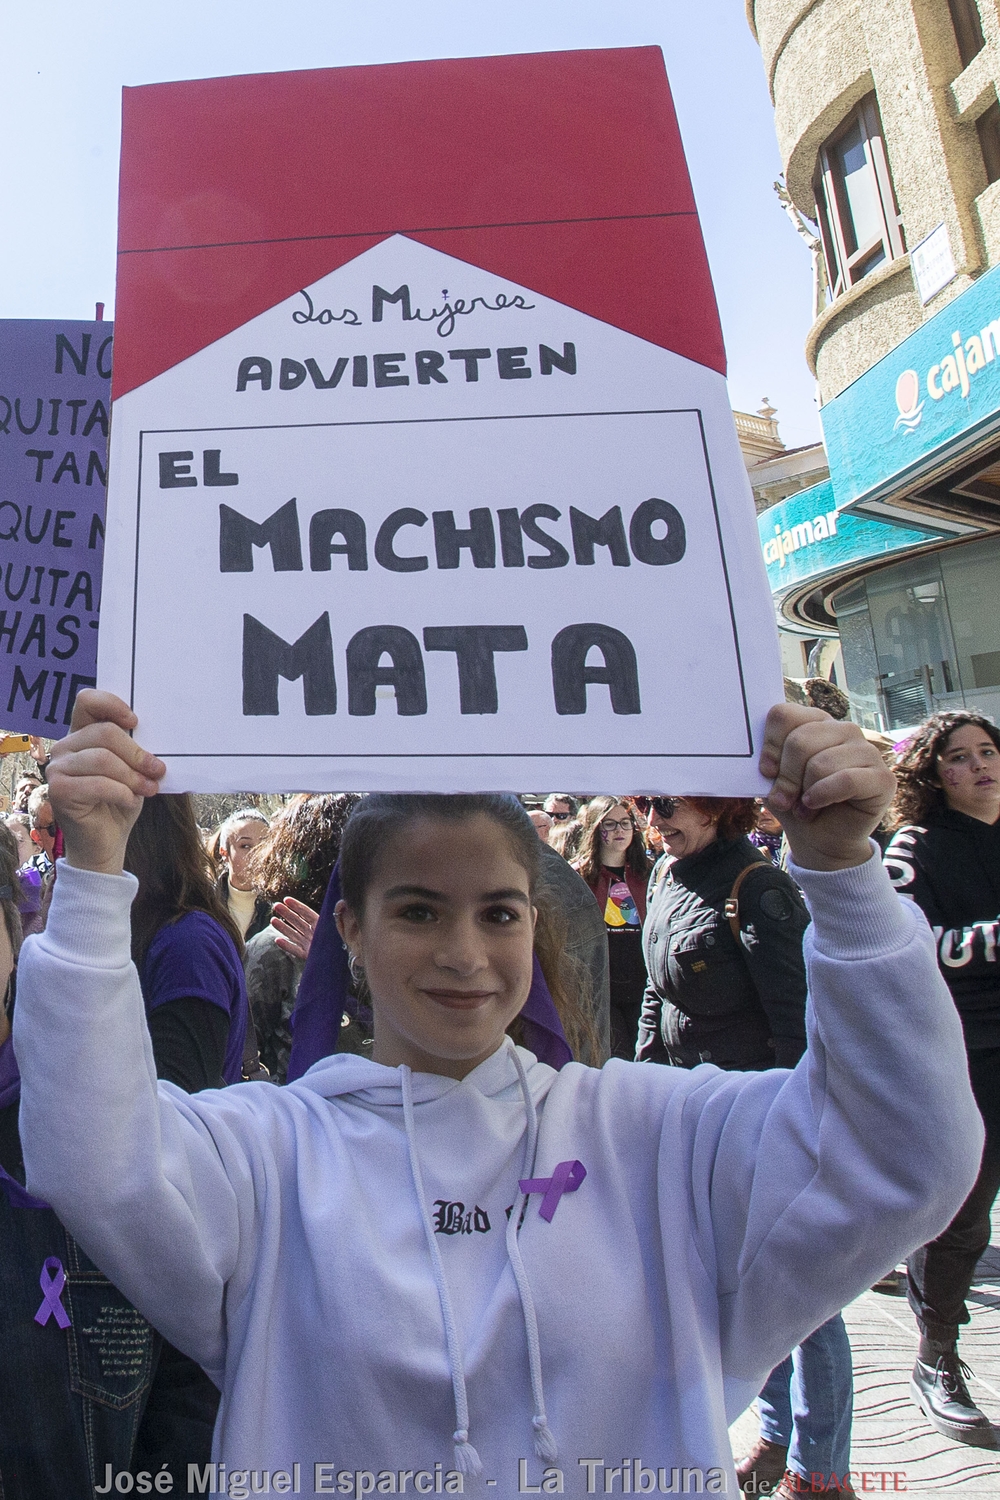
(910, 87)
(888, 120)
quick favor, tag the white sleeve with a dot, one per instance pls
(128, 1164)
(823, 1181)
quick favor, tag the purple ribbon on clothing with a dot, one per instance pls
(51, 1293)
(566, 1178)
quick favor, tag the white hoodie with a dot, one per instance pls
(276, 1234)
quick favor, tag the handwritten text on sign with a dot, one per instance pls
(54, 399)
(348, 588)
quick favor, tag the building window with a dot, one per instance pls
(859, 218)
(968, 29)
(988, 131)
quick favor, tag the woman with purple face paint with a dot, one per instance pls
(451, 1260)
(944, 855)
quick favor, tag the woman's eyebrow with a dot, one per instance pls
(512, 893)
(423, 893)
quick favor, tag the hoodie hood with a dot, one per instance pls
(372, 1083)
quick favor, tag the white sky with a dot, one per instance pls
(64, 62)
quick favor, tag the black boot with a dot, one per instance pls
(938, 1387)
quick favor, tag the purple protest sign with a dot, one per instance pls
(55, 382)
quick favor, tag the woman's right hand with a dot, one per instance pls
(295, 923)
(97, 779)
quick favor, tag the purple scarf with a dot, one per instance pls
(324, 996)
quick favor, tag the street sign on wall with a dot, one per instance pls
(423, 469)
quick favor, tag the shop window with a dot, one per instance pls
(988, 130)
(970, 574)
(859, 217)
(968, 30)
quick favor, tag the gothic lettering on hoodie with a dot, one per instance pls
(958, 947)
(452, 1218)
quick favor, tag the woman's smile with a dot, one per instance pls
(446, 945)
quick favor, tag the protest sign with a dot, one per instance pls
(445, 508)
(55, 390)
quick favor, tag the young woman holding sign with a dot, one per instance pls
(451, 1259)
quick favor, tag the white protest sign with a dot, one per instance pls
(417, 527)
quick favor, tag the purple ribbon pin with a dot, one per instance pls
(566, 1178)
(51, 1293)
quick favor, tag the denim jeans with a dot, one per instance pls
(808, 1402)
(71, 1400)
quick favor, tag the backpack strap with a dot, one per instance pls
(731, 908)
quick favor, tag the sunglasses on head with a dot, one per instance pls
(664, 806)
(563, 817)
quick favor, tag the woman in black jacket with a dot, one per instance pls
(711, 998)
(945, 856)
(727, 985)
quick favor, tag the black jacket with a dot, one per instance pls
(950, 866)
(710, 999)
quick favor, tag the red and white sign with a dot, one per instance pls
(423, 470)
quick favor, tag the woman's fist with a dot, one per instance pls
(831, 787)
(97, 779)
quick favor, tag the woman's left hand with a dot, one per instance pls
(295, 923)
(831, 787)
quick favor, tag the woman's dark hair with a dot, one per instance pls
(297, 855)
(589, 860)
(732, 815)
(166, 855)
(10, 859)
(918, 792)
(378, 821)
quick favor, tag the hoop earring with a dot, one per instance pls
(356, 969)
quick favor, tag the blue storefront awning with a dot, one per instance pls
(932, 398)
(806, 540)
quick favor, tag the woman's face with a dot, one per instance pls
(238, 851)
(616, 833)
(686, 831)
(968, 769)
(25, 848)
(767, 822)
(446, 945)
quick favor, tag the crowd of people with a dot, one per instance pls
(290, 952)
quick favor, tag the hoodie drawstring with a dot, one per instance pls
(545, 1443)
(467, 1460)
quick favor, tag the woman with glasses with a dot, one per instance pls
(614, 863)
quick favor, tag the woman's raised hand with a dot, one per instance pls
(294, 922)
(831, 787)
(97, 779)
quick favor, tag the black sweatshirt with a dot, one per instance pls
(950, 866)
